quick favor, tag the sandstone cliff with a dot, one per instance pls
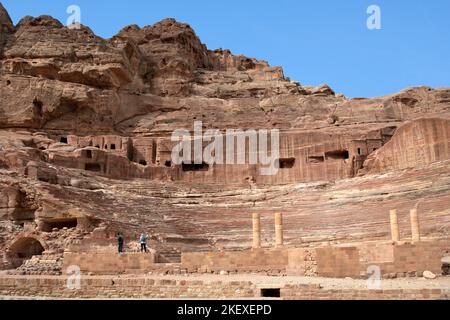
(85, 148)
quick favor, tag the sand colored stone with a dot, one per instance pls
(415, 226)
(395, 234)
(256, 221)
(279, 240)
(86, 152)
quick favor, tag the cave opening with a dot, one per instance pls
(168, 164)
(337, 155)
(37, 104)
(113, 147)
(49, 225)
(143, 163)
(446, 266)
(63, 140)
(24, 249)
(20, 215)
(287, 163)
(316, 159)
(95, 167)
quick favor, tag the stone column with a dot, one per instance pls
(394, 226)
(279, 229)
(256, 231)
(415, 227)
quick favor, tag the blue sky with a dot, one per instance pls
(315, 41)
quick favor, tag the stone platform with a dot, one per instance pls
(220, 287)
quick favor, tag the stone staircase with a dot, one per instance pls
(169, 255)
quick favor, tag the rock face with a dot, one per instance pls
(85, 145)
(415, 144)
(6, 27)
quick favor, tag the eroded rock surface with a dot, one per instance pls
(85, 148)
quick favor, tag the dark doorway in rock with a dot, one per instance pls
(359, 151)
(63, 140)
(446, 266)
(195, 167)
(270, 293)
(168, 164)
(19, 215)
(24, 249)
(337, 155)
(287, 163)
(143, 163)
(154, 151)
(37, 104)
(113, 147)
(89, 154)
(49, 225)
(316, 159)
(95, 167)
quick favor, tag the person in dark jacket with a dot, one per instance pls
(120, 241)
(143, 240)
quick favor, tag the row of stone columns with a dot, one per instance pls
(415, 227)
(395, 233)
(257, 230)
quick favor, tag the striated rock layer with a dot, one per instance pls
(86, 150)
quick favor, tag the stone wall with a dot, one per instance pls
(142, 288)
(115, 287)
(315, 292)
(330, 261)
(256, 260)
(302, 262)
(350, 260)
(414, 258)
(110, 263)
(404, 259)
(335, 262)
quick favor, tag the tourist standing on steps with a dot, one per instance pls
(120, 242)
(143, 241)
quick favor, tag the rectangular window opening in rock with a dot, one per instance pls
(337, 155)
(95, 167)
(287, 163)
(59, 224)
(316, 159)
(270, 293)
(195, 167)
(88, 154)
